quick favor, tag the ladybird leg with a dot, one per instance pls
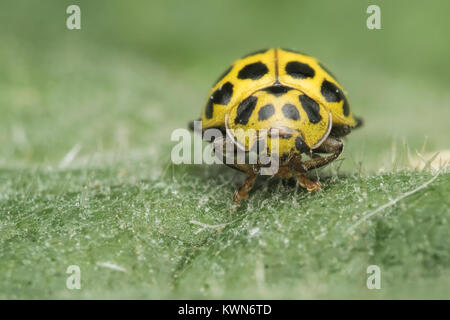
(330, 145)
(245, 168)
(284, 172)
(248, 169)
(307, 183)
(242, 192)
(300, 170)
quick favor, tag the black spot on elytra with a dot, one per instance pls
(253, 71)
(266, 112)
(254, 52)
(311, 108)
(245, 110)
(327, 70)
(290, 112)
(223, 74)
(299, 70)
(301, 145)
(223, 94)
(277, 90)
(220, 96)
(331, 92)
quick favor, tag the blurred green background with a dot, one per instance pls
(83, 112)
(136, 71)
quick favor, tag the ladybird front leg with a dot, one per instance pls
(284, 172)
(242, 192)
(300, 171)
(251, 171)
(330, 145)
(307, 183)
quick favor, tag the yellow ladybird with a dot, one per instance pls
(287, 91)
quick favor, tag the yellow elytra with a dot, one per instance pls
(281, 89)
